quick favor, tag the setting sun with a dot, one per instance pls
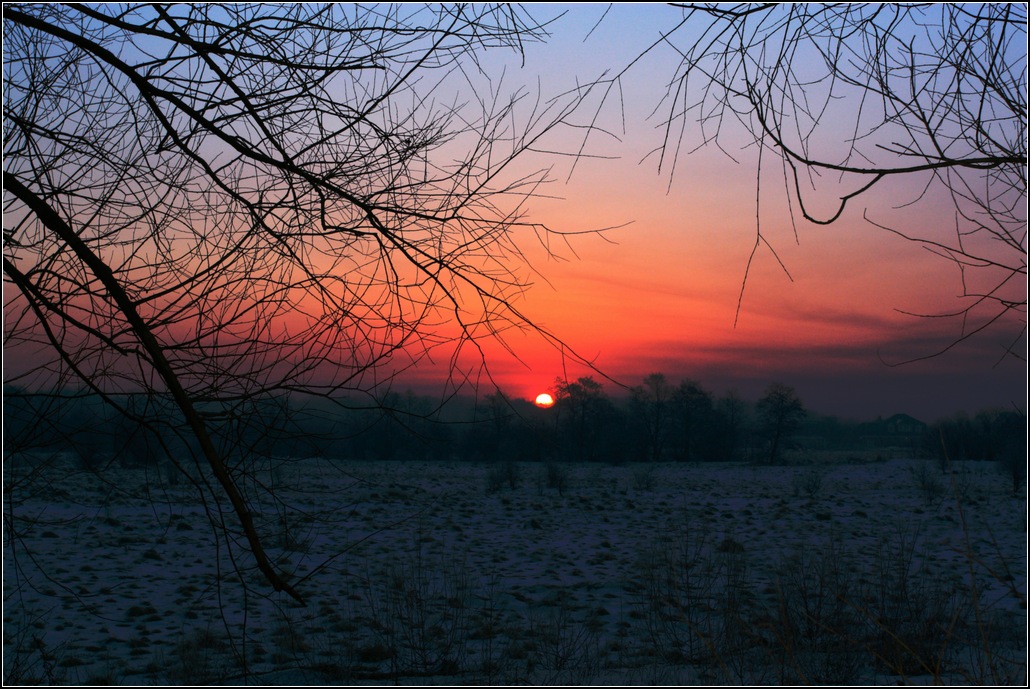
(544, 400)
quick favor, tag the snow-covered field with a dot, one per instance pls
(853, 571)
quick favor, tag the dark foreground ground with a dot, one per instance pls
(841, 570)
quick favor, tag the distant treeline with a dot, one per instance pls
(656, 421)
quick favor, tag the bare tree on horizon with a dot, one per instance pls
(781, 412)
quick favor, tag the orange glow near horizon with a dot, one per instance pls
(662, 292)
(661, 295)
(544, 400)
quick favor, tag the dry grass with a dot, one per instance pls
(686, 577)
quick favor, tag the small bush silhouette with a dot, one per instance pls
(505, 473)
(807, 483)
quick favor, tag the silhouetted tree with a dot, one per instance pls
(651, 409)
(993, 435)
(217, 205)
(492, 437)
(951, 439)
(583, 410)
(1009, 431)
(991, 430)
(999, 435)
(849, 97)
(781, 412)
(693, 410)
(730, 422)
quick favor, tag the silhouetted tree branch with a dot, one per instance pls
(847, 96)
(225, 205)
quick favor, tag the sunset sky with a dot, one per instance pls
(643, 270)
(660, 293)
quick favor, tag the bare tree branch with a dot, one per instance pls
(933, 93)
(221, 205)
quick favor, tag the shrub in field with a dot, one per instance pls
(200, 657)
(807, 482)
(912, 614)
(420, 618)
(28, 659)
(557, 477)
(567, 649)
(928, 482)
(677, 589)
(812, 626)
(644, 477)
(831, 619)
(501, 474)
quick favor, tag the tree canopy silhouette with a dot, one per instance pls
(225, 204)
(848, 98)
(781, 412)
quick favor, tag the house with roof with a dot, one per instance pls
(899, 430)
